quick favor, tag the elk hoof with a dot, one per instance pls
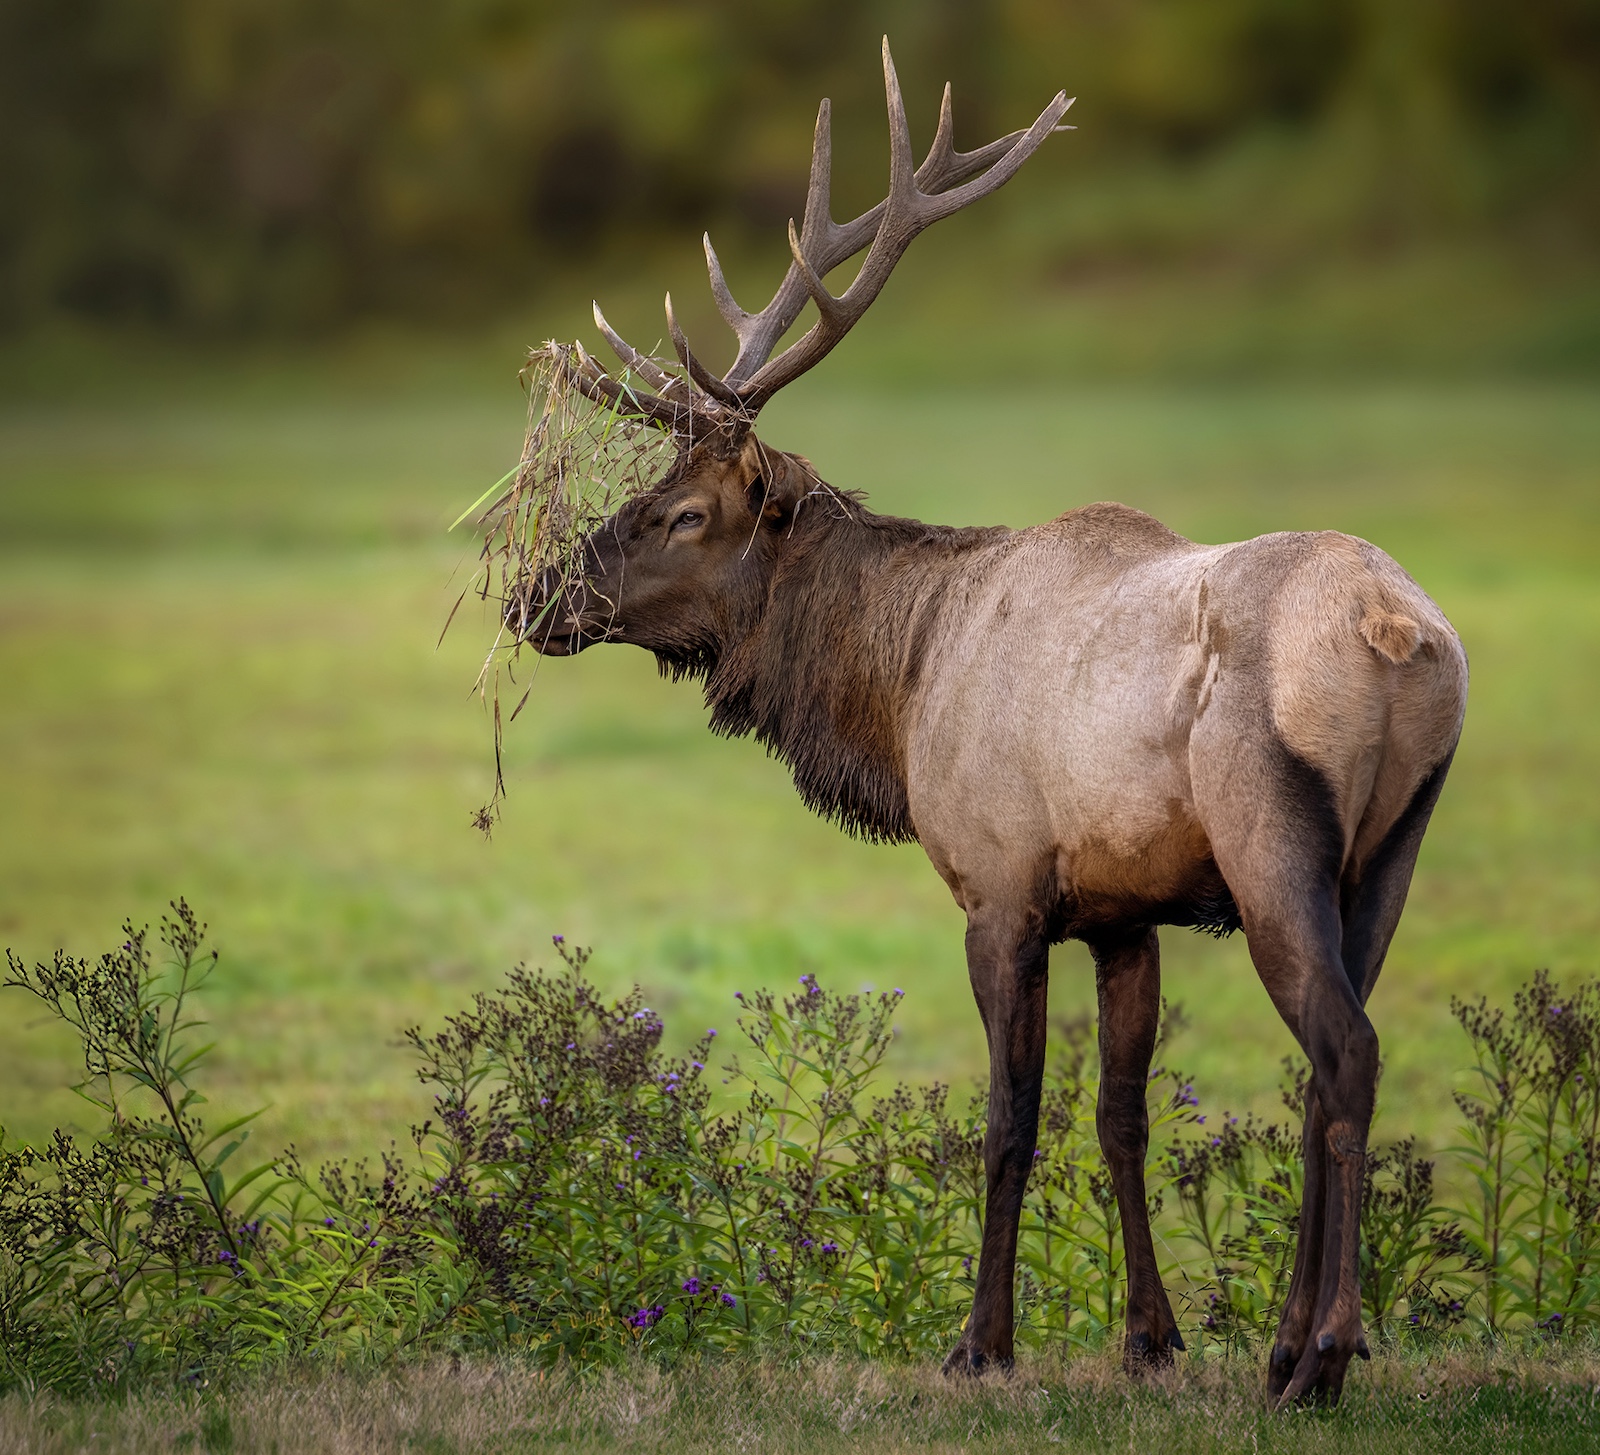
(1318, 1377)
(1143, 1352)
(1280, 1370)
(966, 1362)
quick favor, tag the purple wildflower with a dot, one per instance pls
(691, 1286)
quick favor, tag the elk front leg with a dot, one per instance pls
(1128, 979)
(1009, 965)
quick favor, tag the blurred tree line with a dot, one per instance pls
(268, 164)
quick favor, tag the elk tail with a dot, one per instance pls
(1393, 636)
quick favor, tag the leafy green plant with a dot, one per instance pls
(1238, 1188)
(146, 1240)
(576, 1193)
(1531, 1143)
(1412, 1251)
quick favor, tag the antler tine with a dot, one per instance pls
(902, 174)
(641, 364)
(817, 220)
(594, 383)
(944, 166)
(758, 333)
(905, 212)
(698, 371)
(727, 305)
(952, 200)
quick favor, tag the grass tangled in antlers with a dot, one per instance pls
(580, 462)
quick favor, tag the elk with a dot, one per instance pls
(1093, 727)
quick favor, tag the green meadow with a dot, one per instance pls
(221, 591)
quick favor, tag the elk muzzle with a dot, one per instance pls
(559, 617)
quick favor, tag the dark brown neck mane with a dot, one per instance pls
(823, 674)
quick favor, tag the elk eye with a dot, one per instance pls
(688, 518)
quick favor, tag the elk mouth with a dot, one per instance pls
(551, 645)
(565, 638)
(554, 626)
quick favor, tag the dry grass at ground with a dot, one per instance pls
(1464, 1402)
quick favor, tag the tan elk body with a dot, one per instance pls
(1093, 727)
(1073, 715)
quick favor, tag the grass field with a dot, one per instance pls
(219, 599)
(1484, 1404)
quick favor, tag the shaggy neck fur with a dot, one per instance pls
(823, 675)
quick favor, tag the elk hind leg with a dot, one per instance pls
(1374, 892)
(1343, 1049)
(1283, 862)
(1128, 982)
(1372, 896)
(1300, 1304)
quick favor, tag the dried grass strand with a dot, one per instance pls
(582, 460)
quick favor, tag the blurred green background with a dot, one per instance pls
(267, 271)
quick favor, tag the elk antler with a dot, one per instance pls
(946, 182)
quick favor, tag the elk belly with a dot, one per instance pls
(1044, 751)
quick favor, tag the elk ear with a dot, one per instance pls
(774, 481)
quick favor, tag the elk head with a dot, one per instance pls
(683, 567)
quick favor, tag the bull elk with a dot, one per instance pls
(1092, 726)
